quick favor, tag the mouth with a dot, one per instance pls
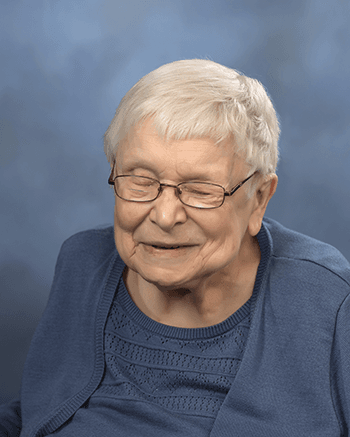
(166, 252)
(166, 247)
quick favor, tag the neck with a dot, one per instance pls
(209, 302)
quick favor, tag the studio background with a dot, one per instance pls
(64, 68)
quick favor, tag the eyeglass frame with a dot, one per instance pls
(111, 181)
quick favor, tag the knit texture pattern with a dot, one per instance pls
(188, 371)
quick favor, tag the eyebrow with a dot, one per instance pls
(138, 165)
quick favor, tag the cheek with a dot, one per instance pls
(126, 221)
(221, 250)
(224, 239)
(220, 229)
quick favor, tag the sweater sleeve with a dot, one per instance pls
(10, 419)
(340, 367)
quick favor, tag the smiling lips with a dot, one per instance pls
(167, 246)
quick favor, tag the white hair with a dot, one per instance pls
(199, 98)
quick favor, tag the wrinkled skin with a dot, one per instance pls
(213, 272)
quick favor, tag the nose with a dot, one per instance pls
(168, 210)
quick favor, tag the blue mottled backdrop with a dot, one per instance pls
(65, 65)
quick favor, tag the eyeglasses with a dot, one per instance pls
(202, 195)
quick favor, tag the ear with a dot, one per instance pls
(261, 197)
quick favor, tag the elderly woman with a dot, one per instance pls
(193, 316)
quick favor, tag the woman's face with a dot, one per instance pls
(209, 240)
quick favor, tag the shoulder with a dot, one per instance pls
(97, 241)
(306, 258)
(296, 246)
(83, 266)
(86, 252)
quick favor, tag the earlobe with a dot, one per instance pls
(254, 225)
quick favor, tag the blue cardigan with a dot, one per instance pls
(294, 378)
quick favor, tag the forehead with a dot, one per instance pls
(187, 158)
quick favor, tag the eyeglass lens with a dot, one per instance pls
(141, 189)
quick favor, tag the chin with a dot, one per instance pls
(165, 278)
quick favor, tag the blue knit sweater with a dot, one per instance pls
(294, 377)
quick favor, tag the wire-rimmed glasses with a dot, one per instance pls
(203, 195)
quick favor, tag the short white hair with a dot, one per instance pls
(199, 98)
